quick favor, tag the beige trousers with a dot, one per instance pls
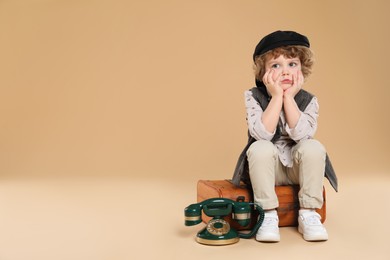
(266, 171)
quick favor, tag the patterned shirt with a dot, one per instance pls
(304, 129)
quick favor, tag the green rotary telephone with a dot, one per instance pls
(217, 230)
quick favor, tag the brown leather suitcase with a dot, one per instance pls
(287, 196)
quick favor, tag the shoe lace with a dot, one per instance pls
(313, 220)
(270, 221)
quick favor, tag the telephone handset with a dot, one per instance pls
(217, 230)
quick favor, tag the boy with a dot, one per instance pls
(282, 120)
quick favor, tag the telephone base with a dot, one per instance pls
(219, 242)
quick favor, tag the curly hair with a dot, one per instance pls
(304, 54)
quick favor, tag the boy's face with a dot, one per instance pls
(283, 70)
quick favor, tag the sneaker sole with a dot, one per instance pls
(268, 239)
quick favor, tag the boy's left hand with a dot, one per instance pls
(296, 86)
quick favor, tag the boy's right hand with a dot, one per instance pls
(273, 87)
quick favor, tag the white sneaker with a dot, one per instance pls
(309, 224)
(269, 230)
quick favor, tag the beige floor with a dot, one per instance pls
(119, 218)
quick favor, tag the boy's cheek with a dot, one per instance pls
(276, 75)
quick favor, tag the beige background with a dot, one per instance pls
(111, 110)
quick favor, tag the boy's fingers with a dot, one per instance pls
(268, 77)
(265, 77)
(270, 80)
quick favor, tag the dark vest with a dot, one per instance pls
(241, 172)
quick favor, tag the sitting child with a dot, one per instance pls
(282, 120)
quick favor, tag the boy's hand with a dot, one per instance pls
(296, 86)
(272, 86)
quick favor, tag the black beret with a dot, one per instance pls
(278, 39)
